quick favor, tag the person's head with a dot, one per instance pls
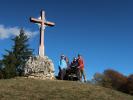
(79, 56)
(62, 57)
(74, 59)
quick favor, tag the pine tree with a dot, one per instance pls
(0, 63)
(21, 51)
(9, 61)
(1, 70)
(14, 61)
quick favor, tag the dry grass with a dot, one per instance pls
(30, 89)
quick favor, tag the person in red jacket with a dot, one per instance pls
(81, 68)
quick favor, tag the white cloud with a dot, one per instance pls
(6, 32)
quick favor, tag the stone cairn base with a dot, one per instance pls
(39, 68)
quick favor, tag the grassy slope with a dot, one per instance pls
(30, 89)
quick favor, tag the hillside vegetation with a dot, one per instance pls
(31, 89)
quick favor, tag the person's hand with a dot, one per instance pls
(78, 67)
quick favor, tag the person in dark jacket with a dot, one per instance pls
(74, 69)
(74, 63)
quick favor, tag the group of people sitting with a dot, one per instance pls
(70, 70)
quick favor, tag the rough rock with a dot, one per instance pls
(39, 68)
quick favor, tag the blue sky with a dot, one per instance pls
(100, 30)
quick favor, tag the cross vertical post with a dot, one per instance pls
(43, 23)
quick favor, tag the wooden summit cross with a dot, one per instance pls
(43, 23)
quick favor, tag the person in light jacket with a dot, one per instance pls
(62, 67)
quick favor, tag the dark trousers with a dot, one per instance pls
(63, 73)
